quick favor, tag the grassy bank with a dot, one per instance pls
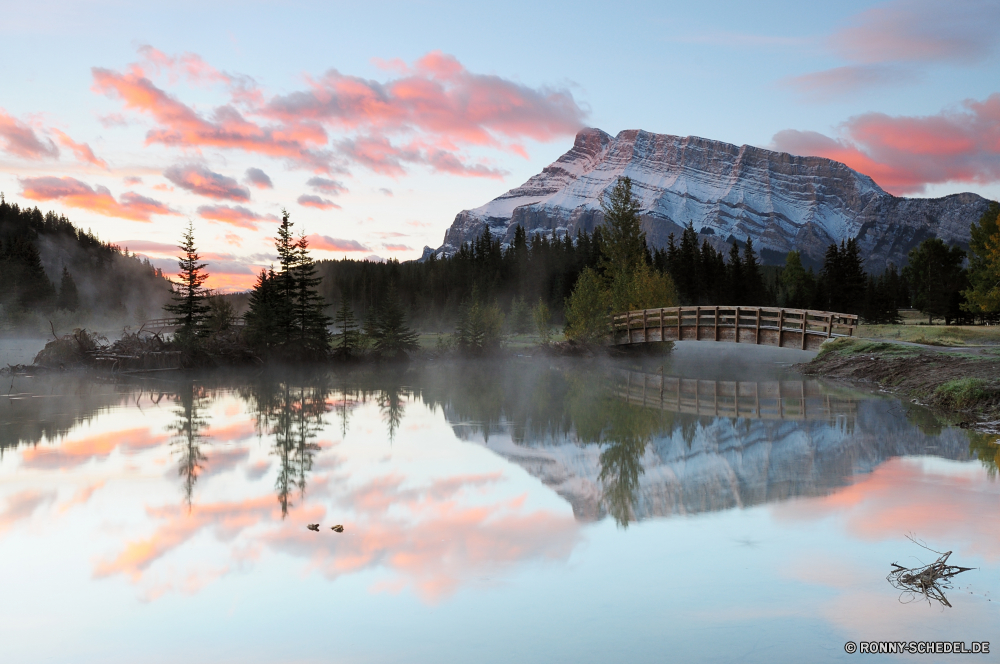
(914, 328)
(964, 383)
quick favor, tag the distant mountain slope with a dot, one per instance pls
(728, 192)
(111, 287)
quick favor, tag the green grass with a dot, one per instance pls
(855, 346)
(934, 335)
(963, 392)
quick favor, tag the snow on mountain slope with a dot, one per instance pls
(728, 193)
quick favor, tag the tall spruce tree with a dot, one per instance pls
(624, 242)
(348, 325)
(392, 336)
(983, 294)
(736, 284)
(307, 308)
(935, 273)
(754, 292)
(190, 295)
(285, 283)
(261, 322)
(69, 298)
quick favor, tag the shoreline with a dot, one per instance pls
(960, 383)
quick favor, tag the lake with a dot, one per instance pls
(710, 506)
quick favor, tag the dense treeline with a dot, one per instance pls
(51, 268)
(434, 291)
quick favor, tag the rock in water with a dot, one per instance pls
(728, 192)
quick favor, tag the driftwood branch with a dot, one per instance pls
(928, 581)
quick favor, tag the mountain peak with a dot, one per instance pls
(728, 192)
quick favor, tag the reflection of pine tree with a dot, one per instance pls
(621, 466)
(392, 407)
(294, 416)
(187, 428)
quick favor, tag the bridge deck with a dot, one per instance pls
(786, 328)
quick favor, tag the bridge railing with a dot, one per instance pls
(758, 325)
(169, 324)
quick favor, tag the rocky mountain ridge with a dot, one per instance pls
(728, 192)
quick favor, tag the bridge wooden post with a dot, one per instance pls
(781, 325)
(736, 326)
(645, 337)
(716, 324)
(757, 333)
(805, 318)
(679, 337)
(661, 337)
(697, 323)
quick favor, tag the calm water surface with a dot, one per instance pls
(709, 507)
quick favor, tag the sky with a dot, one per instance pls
(373, 124)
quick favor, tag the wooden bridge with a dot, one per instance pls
(759, 400)
(785, 328)
(170, 325)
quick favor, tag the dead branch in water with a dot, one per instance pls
(929, 581)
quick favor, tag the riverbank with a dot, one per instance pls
(962, 382)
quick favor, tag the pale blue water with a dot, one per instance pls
(529, 511)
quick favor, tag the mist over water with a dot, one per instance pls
(704, 506)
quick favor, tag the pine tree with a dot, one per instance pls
(624, 242)
(935, 273)
(285, 282)
(190, 295)
(754, 294)
(392, 336)
(69, 298)
(736, 285)
(261, 322)
(31, 284)
(344, 319)
(307, 307)
(983, 295)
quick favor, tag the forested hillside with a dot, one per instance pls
(50, 270)
(434, 290)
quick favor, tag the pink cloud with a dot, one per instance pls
(438, 97)
(73, 453)
(236, 215)
(228, 518)
(437, 100)
(75, 193)
(22, 505)
(327, 186)
(81, 151)
(891, 44)
(132, 179)
(148, 246)
(903, 496)
(200, 180)
(181, 126)
(311, 200)
(327, 243)
(259, 178)
(20, 140)
(906, 153)
(397, 247)
(961, 31)
(831, 83)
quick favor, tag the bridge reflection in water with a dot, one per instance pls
(759, 400)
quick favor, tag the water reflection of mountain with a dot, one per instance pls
(614, 455)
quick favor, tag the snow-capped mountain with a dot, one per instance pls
(728, 192)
